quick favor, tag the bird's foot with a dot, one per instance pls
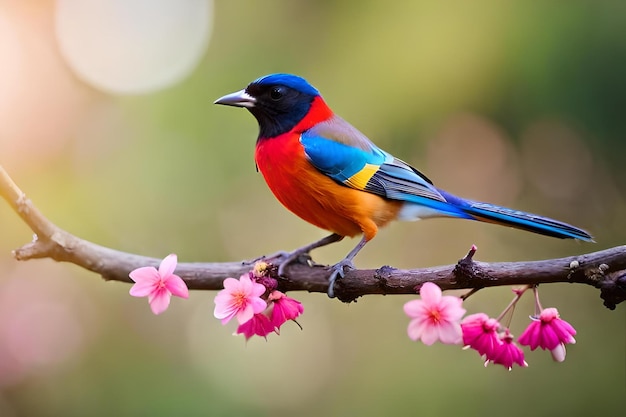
(338, 271)
(293, 257)
(301, 255)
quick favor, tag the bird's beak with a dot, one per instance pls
(238, 99)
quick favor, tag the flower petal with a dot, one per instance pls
(160, 301)
(223, 297)
(414, 308)
(177, 286)
(258, 304)
(257, 289)
(224, 305)
(168, 265)
(416, 328)
(284, 308)
(531, 336)
(548, 338)
(142, 289)
(549, 314)
(228, 317)
(564, 331)
(244, 314)
(145, 274)
(258, 325)
(231, 284)
(507, 353)
(451, 308)
(476, 319)
(245, 283)
(430, 334)
(430, 293)
(558, 353)
(450, 333)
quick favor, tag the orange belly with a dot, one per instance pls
(316, 198)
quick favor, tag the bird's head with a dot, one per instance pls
(280, 102)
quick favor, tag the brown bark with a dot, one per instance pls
(605, 270)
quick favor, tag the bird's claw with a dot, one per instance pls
(267, 258)
(276, 257)
(291, 257)
(338, 271)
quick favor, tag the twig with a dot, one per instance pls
(605, 269)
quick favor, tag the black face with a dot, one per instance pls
(278, 108)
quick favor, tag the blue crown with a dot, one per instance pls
(288, 80)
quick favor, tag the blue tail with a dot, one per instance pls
(521, 220)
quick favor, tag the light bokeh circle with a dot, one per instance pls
(133, 46)
(11, 58)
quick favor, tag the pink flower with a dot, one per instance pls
(549, 332)
(240, 298)
(481, 333)
(284, 308)
(507, 353)
(258, 325)
(435, 317)
(159, 285)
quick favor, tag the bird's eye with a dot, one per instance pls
(276, 93)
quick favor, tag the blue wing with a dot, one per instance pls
(339, 150)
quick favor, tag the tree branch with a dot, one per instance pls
(605, 269)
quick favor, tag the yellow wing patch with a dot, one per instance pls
(361, 178)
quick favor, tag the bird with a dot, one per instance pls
(331, 175)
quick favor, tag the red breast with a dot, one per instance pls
(311, 195)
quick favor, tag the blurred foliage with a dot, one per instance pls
(519, 103)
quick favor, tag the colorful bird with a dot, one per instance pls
(331, 175)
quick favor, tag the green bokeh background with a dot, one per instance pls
(519, 103)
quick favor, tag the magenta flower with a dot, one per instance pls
(507, 353)
(481, 333)
(240, 298)
(159, 285)
(435, 317)
(258, 325)
(283, 308)
(549, 332)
